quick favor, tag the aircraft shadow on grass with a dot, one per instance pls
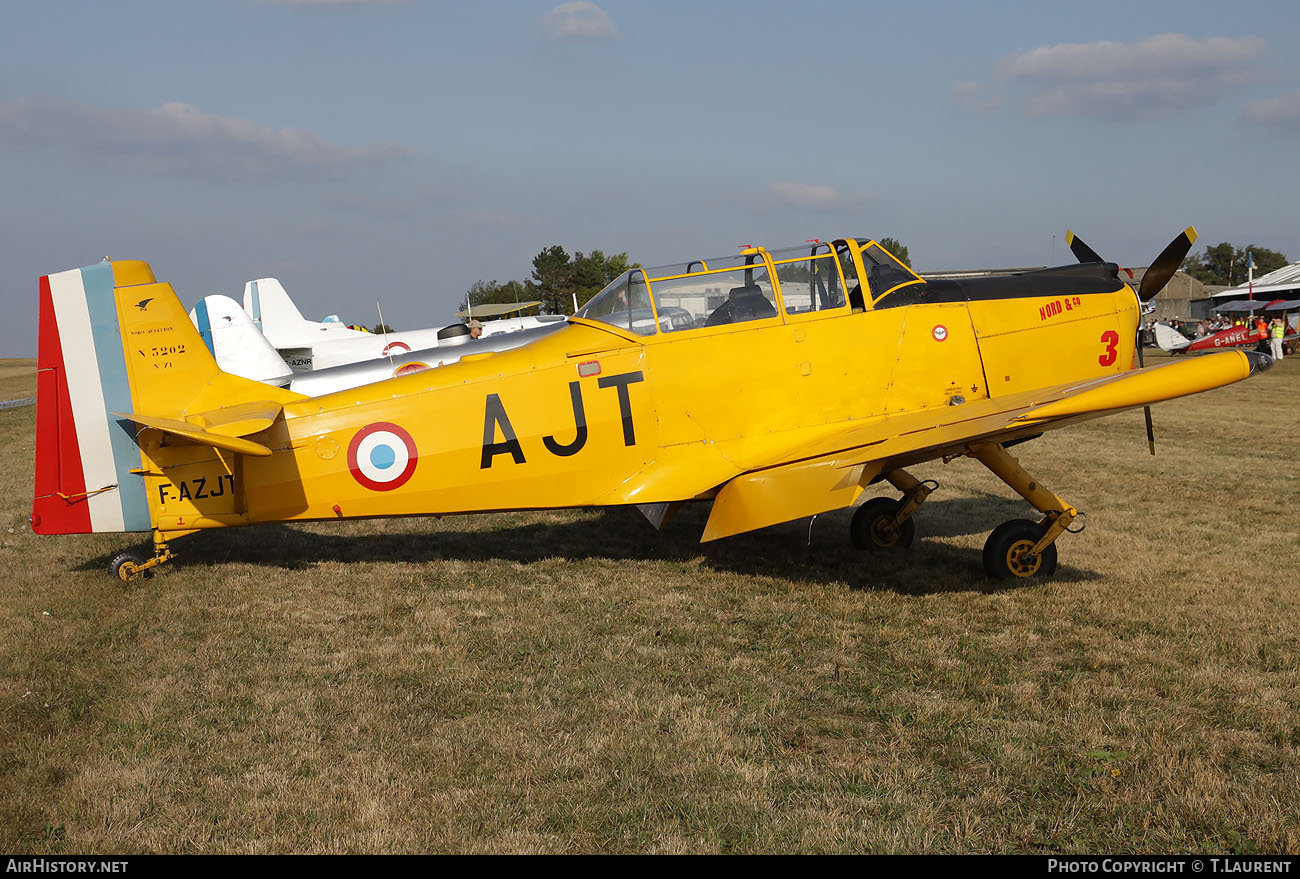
(806, 550)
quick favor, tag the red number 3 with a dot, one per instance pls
(1110, 339)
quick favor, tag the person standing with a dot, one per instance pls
(1276, 332)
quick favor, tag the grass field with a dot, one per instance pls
(575, 682)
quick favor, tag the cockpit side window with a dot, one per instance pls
(885, 273)
(809, 277)
(625, 303)
(714, 298)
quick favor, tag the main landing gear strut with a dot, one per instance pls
(882, 523)
(1018, 549)
(126, 566)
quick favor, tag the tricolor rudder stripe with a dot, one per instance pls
(84, 454)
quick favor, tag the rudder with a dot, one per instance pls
(84, 456)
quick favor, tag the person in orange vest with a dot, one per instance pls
(1261, 328)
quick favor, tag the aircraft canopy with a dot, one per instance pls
(753, 285)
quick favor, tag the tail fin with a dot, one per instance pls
(112, 343)
(1170, 339)
(274, 313)
(236, 344)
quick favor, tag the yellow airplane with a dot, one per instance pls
(774, 384)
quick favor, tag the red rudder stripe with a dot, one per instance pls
(59, 506)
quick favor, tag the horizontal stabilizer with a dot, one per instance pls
(194, 433)
(239, 420)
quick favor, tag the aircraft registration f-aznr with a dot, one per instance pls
(774, 384)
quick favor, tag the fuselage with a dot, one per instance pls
(598, 414)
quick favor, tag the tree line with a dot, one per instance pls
(1227, 265)
(556, 280)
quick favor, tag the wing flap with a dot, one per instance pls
(780, 494)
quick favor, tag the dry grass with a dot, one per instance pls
(575, 682)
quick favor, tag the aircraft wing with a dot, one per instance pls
(828, 473)
(497, 309)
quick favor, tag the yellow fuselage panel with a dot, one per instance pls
(937, 359)
(715, 388)
(1035, 342)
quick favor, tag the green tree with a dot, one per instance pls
(588, 275)
(480, 293)
(897, 248)
(552, 280)
(1224, 264)
(555, 279)
(593, 272)
(512, 291)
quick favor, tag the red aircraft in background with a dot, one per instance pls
(1169, 339)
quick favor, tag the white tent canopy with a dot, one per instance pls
(1267, 286)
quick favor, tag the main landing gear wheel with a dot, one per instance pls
(1008, 552)
(873, 526)
(125, 566)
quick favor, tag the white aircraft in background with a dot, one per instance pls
(309, 345)
(240, 349)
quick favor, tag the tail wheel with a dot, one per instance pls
(873, 526)
(1008, 553)
(125, 566)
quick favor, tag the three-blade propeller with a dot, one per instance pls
(1153, 281)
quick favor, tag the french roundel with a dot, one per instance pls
(382, 456)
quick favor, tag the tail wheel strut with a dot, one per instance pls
(126, 566)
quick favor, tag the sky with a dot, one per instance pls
(397, 151)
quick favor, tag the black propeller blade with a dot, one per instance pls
(1160, 271)
(1082, 252)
